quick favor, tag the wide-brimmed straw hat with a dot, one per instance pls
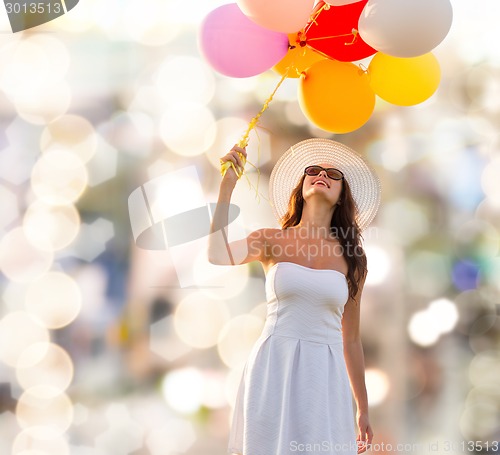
(362, 179)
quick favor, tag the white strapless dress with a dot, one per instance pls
(294, 396)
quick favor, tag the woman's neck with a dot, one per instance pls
(316, 219)
(316, 224)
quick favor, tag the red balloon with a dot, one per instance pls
(331, 33)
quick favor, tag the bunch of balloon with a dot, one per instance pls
(319, 43)
(298, 39)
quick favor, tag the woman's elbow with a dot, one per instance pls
(219, 258)
(214, 258)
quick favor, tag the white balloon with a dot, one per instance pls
(341, 2)
(405, 28)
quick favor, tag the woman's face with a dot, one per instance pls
(322, 186)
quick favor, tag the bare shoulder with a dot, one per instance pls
(259, 243)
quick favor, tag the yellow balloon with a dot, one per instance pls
(298, 59)
(404, 81)
(336, 96)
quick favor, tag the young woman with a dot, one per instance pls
(295, 395)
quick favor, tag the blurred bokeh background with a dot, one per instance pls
(113, 344)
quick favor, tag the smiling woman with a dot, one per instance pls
(324, 195)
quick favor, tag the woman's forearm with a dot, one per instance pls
(219, 251)
(355, 362)
(221, 213)
(217, 241)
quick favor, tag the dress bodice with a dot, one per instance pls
(305, 303)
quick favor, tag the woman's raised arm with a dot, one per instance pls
(220, 250)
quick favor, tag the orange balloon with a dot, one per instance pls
(336, 96)
(298, 59)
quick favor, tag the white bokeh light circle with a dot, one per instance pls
(55, 299)
(59, 178)
(20, 260)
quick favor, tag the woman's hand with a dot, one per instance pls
(365, 435)
(235, 156)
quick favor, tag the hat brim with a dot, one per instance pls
(362, 179)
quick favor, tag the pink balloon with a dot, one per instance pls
(237, 47)
(286, 16)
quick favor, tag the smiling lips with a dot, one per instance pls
(319, 182)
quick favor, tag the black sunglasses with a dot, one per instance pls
(331, 172)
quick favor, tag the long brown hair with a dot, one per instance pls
(343, 226)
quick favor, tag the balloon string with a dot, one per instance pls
(253, 122)
(256, 188)
(313, 17)
(312, 20)
(354, 34)
(244, 140)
